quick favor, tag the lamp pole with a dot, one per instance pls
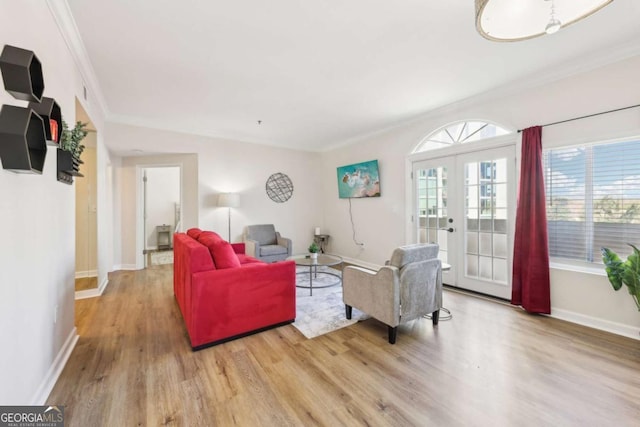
(229, 200)
(229, 224)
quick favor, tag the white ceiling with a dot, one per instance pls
(317, 73)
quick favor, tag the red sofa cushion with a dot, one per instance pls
(224, 255)
(208, 237)
(194, 233)
(222, 252)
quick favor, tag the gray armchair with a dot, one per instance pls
(408, 287)
(265, 243)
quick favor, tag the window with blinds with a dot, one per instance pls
(593, 199)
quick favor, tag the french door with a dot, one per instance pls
(466, 204)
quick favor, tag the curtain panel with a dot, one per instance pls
(531, 283)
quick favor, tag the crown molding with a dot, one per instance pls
(71, 35)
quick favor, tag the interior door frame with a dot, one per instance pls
(411, 208)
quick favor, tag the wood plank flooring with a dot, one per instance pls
(490, 365)
(86, 283)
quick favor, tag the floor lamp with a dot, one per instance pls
(229, 200)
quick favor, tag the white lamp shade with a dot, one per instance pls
(513, 20)
(229, 200)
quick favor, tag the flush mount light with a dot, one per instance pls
(509, 20)
(554, 25)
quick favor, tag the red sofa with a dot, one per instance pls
(224, 294)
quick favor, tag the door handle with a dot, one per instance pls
(450, 229)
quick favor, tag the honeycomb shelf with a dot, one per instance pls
(23, 146)
(22, 73)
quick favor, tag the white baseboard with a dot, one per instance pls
(88, 293)
(92, 293)
(124, 267)
(56, 369)
(103, 285)
(87, 273)
(596, 323)
(361, 263)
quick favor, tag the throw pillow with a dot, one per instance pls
(209, 238)
(223, 255)
(194, 233)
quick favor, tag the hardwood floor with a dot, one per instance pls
(490, 365)
(86, 283)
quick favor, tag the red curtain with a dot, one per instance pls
(531, 250)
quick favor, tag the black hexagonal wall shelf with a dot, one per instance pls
(21, 73)
(49, 109)
(23, 147)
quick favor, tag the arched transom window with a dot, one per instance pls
(460, 133)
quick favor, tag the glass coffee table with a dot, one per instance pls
(323, 260)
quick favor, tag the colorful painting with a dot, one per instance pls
(359, 180)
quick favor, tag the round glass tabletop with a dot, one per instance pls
(322, 260)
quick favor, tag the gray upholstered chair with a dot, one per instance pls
(407, 288)
(265, 243)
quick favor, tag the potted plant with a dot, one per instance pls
(313, 250)
(71, 140)
(627, 272)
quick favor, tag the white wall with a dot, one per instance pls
(163, 193)
(228, 166)
(382, 222)
(37, 259)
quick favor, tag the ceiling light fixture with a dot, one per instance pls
(554, 25)
(509, 20)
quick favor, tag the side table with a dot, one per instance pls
(163, 236)
(321, 240)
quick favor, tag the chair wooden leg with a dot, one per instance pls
(435, 316)
(348, 309)
(393, 331)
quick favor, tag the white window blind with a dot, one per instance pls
(593, 199)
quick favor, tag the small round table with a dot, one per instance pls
(323, 260)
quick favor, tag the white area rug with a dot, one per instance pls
(324, 311)
(162, 257)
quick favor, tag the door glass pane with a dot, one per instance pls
(500, 270)
(471, 266)
(472, 220)
(486, 220)
(432, 207)
(472, 243)
(485, 244)
(501, 195)
(486, 268)
(500, 245)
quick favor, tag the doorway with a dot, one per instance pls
(86, 189)
(161, 213)
(466, 203)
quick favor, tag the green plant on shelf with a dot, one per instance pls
(71, 139)
(314, 248)
(624, 272)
